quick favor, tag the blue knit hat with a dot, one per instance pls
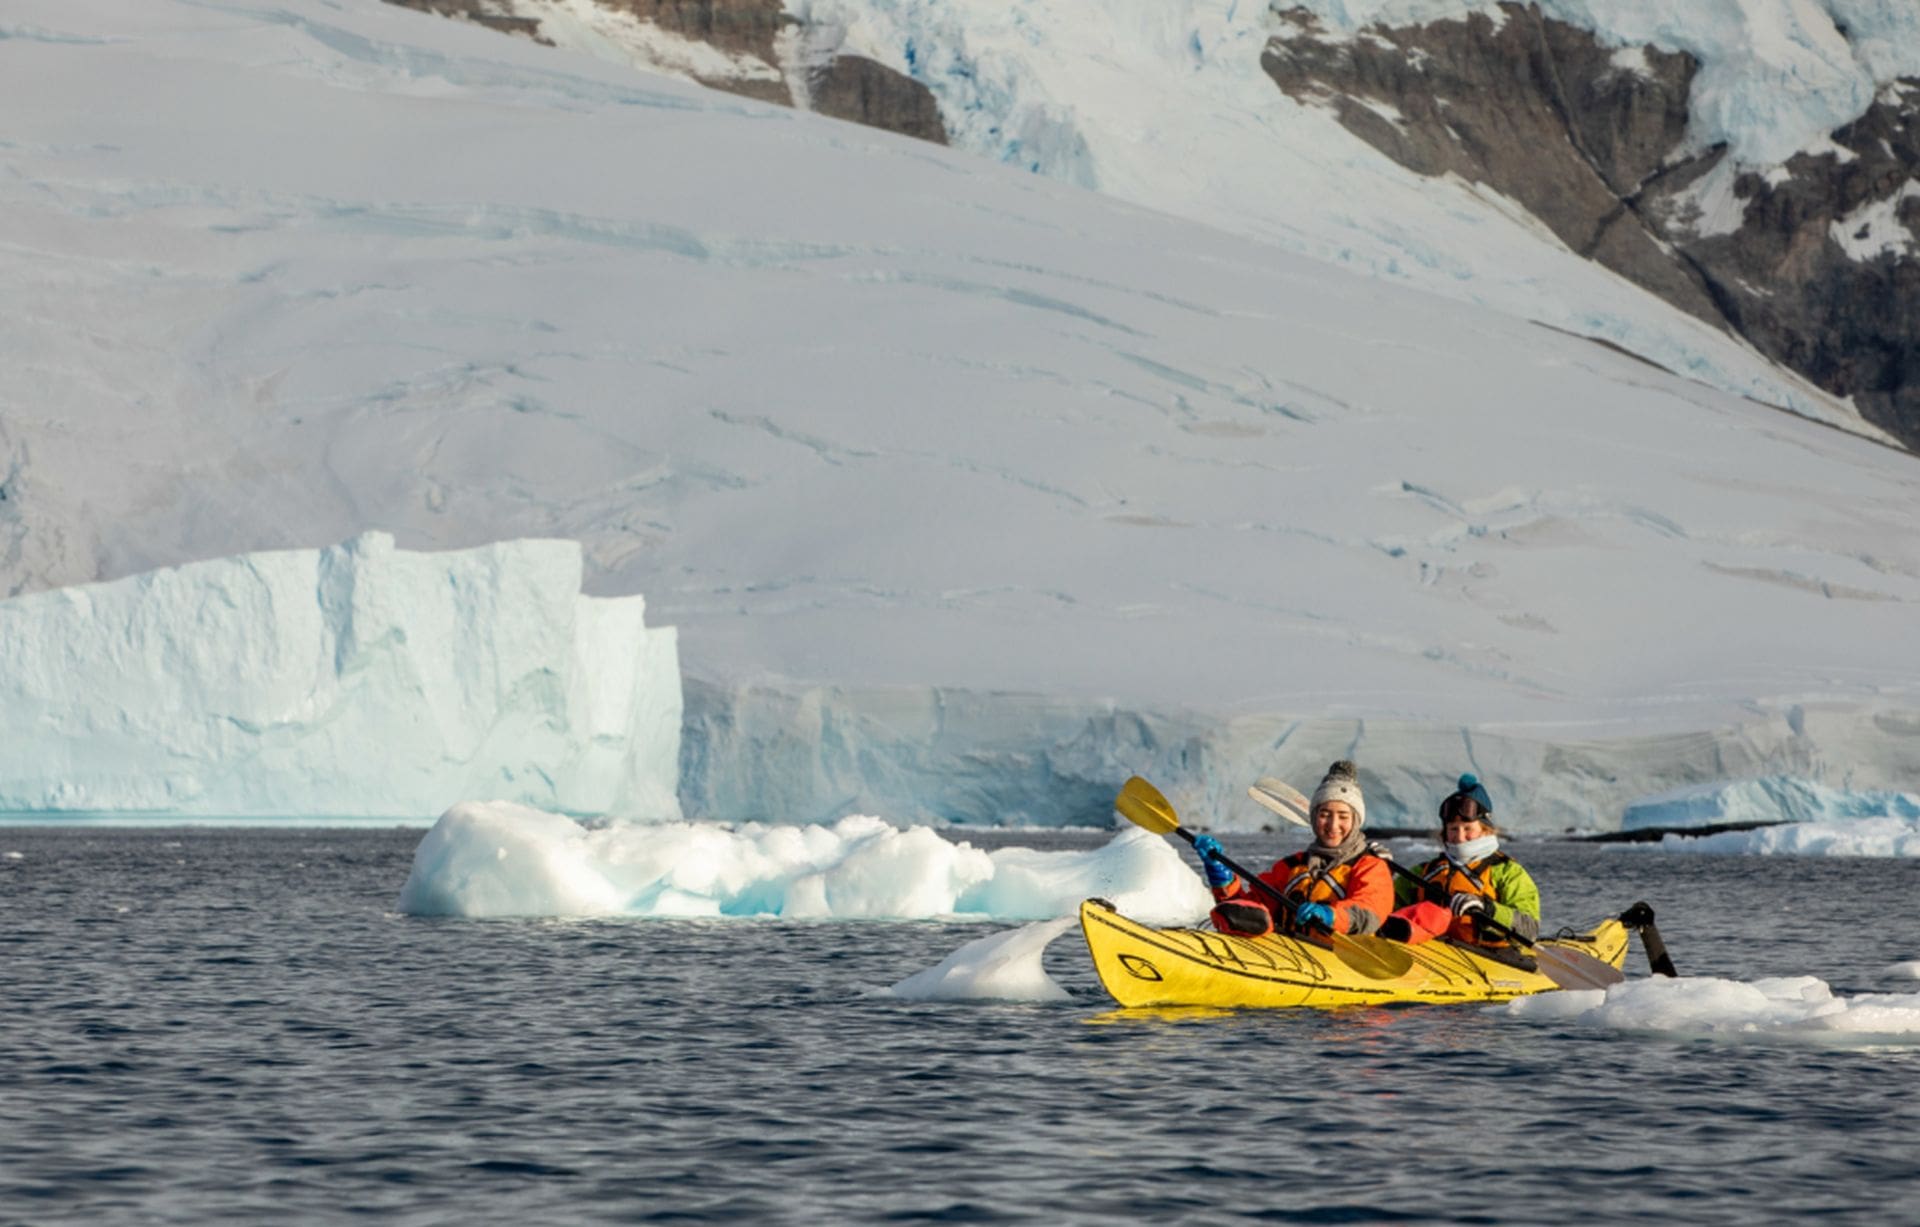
(1469, 789)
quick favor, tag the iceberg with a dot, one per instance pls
(360, 680)
(1879, 836)
(1764, 801)
(1787, 1008)
(500, 859)
(791, 752)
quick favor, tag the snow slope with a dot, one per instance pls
(1164, 103)
(914, 450)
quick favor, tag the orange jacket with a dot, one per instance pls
(1364, 883)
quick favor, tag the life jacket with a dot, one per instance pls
(1327, 884)
(1253, 917)
(1444, 880)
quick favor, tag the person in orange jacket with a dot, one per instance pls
(1336, 883)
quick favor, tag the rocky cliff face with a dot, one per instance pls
(755, 33)
(1814, 262)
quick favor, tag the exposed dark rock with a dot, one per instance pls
(1533, 108)
(479, 12)
(1852, 326)
(738, 27)
(1593, 143)
(856, 88)
(845, 87)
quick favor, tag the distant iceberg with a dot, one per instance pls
(1886, 835)
(1780, 816)
(356, 681)
(1771, 799)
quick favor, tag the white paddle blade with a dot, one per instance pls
(1282, 798)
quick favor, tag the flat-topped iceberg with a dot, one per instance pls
(356, 681)
(1767, 800)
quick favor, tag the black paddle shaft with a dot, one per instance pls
(1273, 892)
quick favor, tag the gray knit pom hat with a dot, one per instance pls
(1342, 783)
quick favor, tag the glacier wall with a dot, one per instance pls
(355, 681)
(809, 754)
(1767, 799)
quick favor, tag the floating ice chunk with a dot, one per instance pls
(1137, 872)
(499, 859)
(1788, 1006)
(502, 859)
(999, 967)
(1546, 1007)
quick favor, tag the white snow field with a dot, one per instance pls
(355, 681)
(970, 492)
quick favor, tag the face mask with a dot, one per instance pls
(1473, 849)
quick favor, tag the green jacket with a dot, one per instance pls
(1512, 887)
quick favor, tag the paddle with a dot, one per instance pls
(1143, 805)
(1566, 968)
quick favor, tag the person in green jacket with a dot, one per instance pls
(1472, 879)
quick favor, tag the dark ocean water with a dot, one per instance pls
(235, 1026)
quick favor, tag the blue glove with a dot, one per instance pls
(1464, 904)
(1217, 874)
(1314, 915)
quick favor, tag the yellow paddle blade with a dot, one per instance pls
(1141, 804)
(1573, 969)
(1373, 957)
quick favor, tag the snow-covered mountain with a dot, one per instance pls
(1753, 163)
(968, 490)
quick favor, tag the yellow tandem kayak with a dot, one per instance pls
(1144, 966)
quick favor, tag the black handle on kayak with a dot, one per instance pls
(1640, 917)
(1273, 892)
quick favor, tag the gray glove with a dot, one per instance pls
(1465, 904)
